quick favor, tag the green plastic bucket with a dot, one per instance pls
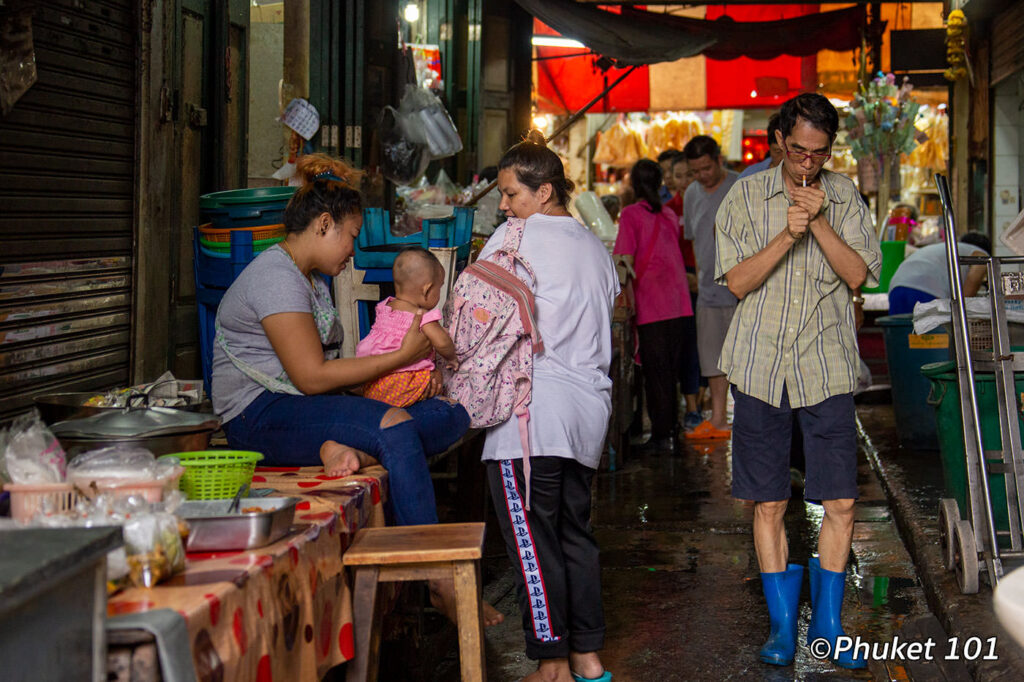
(945, 398)
(893, 254)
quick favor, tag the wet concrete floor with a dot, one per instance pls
(682, 594)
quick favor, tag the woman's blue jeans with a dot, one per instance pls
(289, 430)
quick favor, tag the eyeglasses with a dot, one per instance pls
(800, 157)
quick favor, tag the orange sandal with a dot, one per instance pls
(705, 431)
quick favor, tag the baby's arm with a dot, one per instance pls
(442, 343)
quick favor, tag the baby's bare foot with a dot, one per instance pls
(338, 459)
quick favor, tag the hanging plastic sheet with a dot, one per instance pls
(642, 37)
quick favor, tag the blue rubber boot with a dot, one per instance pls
(782, 592)
(813, 566)
(827, 589)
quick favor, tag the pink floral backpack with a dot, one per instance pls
(491, 317)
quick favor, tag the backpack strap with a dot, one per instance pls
(506, 258)
(508, 254)
(513, 234)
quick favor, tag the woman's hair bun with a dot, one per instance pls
(536, 137)
(319, 166)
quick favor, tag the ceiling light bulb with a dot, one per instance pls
(412, 12)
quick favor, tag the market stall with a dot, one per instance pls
(282, 611)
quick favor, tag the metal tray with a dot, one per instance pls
(214, 530)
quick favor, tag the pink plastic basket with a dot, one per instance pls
(152, 491)
(27, 500)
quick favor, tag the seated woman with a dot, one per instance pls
(277, 376)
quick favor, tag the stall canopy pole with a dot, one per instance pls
(562, 128)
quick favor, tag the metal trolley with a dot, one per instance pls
(974, 544)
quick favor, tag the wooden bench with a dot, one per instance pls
(404, 553)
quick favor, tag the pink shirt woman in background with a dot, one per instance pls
(649, 240)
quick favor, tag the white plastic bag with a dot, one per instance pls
(31, 454)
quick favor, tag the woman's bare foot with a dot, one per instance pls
(586, 665)
(551, 670)
(338, 459)
(442, 598)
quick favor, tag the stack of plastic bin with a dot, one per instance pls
(238, 211)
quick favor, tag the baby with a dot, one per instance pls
(418, 278)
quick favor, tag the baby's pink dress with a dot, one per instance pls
(389, 329)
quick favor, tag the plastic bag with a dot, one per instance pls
(153, 547)
(31, 453)
(424, 120)
(404, 160)
(115, 461)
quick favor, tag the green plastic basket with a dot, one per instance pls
(215, 474)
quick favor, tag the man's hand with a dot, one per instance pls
(811, 199)
(797, 221)
(691, 280)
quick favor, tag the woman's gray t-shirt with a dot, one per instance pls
(270, 284)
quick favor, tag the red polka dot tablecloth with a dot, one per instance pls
(280, 612)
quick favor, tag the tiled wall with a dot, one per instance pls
(1008, 155)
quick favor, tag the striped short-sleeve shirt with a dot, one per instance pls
(797, 329)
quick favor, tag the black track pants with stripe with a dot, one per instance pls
(553, 550)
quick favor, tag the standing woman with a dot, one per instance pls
(551, 543)
(649, 240)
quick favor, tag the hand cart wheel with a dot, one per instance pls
(965, 557)
(949, 516)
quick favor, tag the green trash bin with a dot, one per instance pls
(945, 398)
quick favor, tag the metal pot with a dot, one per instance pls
(58, 407)
(160, 430)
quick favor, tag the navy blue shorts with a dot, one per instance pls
(761, 437)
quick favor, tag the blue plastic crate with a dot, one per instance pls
(377, 248)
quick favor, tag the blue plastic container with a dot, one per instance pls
(376, 247)
(245, 207)
(906, 353)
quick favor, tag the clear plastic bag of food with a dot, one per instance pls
(30, 453)
(154, 548)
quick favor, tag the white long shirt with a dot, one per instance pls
(575, 290)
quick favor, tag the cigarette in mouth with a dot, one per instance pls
(805, 180)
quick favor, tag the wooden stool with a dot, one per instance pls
(403, 553)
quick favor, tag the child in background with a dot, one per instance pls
(418, 277)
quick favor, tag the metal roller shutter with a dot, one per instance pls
(67, 184)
